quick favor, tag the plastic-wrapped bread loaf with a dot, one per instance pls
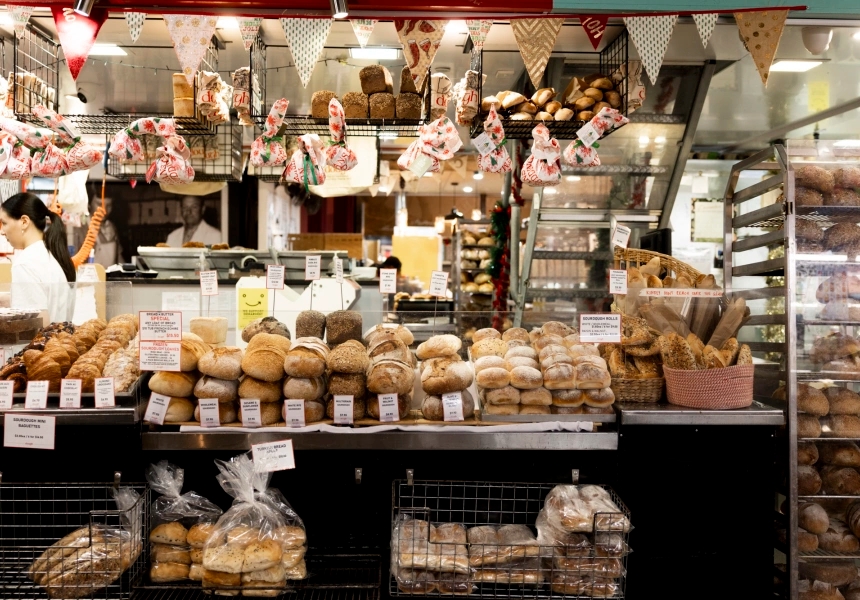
(574, 508)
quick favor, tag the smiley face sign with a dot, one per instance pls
(252, 304)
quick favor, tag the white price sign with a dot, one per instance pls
(209, 413)
(70, 393)
(7, 390)
(273, 456)
(294, 413)
(617, 281)
(387, 281)
(105, 395)
(156, 410)
(161, 326)
(251, 413)
(209, 283)
(452, 406)
(338, 270)
(28, 431)
(438, 283)
(343, 410)
(37, 395)
(312, 267)
(160, 356)
(595, 328)
(620, 236)
(275, 277)
(388, 411)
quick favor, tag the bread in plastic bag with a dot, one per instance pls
(523, 572)
(610, 568)
(582, 509)
(579, 585)
(258, 544)
(416, 544)
(174, 516)
(493, 544)
(92, 557)
(564, 543)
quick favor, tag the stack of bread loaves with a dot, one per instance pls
(347, 367)
(221, 370)
(180, 385)
(391, 367)
(305, 366)
(444, 372)
(427, 558)
(378, 86)
(263, 365)
(494, 372)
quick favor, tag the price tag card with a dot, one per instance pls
(420, 164)
(452, 406)
(387, 281)
(388, 411)
(251, 413)
(209, 283)
(620, 236)
(439, 283)
(595, 328)
(87, 273)
(209, 413)
(275, 277)
(617, 281)
(312, 267)
(588, 135)
(105, 396)
(343, 410)
(273, 456)
(160, 356)
(70, 393)
(156, 409)
(7, 391)
(29, 431)
(680, 293)
(484, 144)
(37, 395)
(294, 413)
(338, 270)
(161, 326)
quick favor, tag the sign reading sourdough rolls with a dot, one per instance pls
(595, 328)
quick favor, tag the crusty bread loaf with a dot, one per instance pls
(536, 397)
(348, 357)
(443, 376)
(840, 481)
(399, 331)
(348, 384)
(516, 333)
(375, 79)
(843, 426)
(489, 347)
(355, 105)
(223, 363)
(501, 409)
(502, 395)
(224, 390)
(383, 106)
(173, 384)
(836, 573)
(599, 397)
(265, 355)
(590, 376)
(808, 481)
(301, 388)
(179, 410)
(519, 361)
(408, 106)
(561, 376)
(192, 348)
(438, 346)
(265, 325)
(407, 84)
(343, 325)
(842, 454)
(493, 378)
(808, 426)
(165, 572)
(264, 391)
(306, 359)
(310, 323)
(487, 332)
(842, 401)
(812, 517)
(526, 378)
(807, 454)
(488, 362)
(390, 377)
(319, 103)
(521, 351)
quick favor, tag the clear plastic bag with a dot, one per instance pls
(416, 544)
(582, 509)
(259, 543)
(522, 572)
(494, 544)
(578, 585)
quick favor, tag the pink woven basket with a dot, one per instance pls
(715, 389)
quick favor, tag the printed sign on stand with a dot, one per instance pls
(338, 270)
(105, 396)
(275, 277)
(156, 410)
(161, 326)
(387, 281)
(251, 413)
(452, 406)
(209, 283)
(388, 410)
(37, 395)
(70, 393)
(7, 398)
(273, 456)
(29, 431)
(596, 328)
(617, 281)
(620, 236)
(312, 267)
(209, 413)
(343, 410)
(294, 413)
(160, 356)
(439, 284)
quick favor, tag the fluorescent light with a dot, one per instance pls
(227, 23)
(644, 140)
(574, 178)
(549, 190)
(375, 53)
(478, 175)
(794, 66)
(468, 189)
(847, 144)
(660, 139)
(6, 19)
(856, 36)
(107, 50)
(387, 135)
(456, 26)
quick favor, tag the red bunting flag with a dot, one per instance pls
(77, 34)
(595, 27)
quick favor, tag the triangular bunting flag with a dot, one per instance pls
(306, 38)
(420, 40)
(191, 35)
(536, 39)
(705, 23)
(651, 37)
(77, 35)
(478, 30)
(362, 28)
(135, 20)
(595, 27)
(20, 16)
(249, 28)
(761, 32)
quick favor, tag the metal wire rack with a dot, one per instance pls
(35, 69)
(33, 517)
(259, 102)
(597, 566)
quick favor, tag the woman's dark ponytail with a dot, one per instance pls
(48, 223)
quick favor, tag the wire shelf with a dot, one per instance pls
(33, 517)
(109, 124)
(35, 64)
(381, 128)
(259, 101)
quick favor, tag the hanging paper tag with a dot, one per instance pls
(439, 283)
(7, 391)
(156, 409)
(452, 406)
(273, 456)
(209, 413)
(617, 281)
(251, 413)
(620, 236)
(343, 410)
(338, 270)
(421, 163)
(294, 413)
(37, 395)
(70, 393)
(160, 356)
(388, 411)
(209, 283)
(28, 431)
(275, 277)
(161, 326)
(484, 144)
(312, 267)
(596, 328)
(387, 281)
(588, 135)
(104, 392)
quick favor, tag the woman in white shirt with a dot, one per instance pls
(41, 266)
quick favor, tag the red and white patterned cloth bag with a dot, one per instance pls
(338, 154)
(498, 160)
(172, 166)
(307, 164)
(543, 167)
(268, 149)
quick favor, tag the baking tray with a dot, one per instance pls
(221, 259)
(176, 259)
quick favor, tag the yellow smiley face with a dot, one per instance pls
(252, 304)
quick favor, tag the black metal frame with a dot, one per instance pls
(259, 102)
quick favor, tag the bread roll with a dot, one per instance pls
(222, 389)
(343, 325)
(198, 534)
(807, 454)
(179, 410)
(552, 349)
(563, 114)
(808, 481)
(488, 362)
(487, 332)
(165, 572)
(501, 409)
(516, 333)
(349, 357)
(590, 376)
(544, 340)
(808, 426)
(261, 554)
(169, 383)
(192, 348)
(301, 388)
(489, 347)
(599, 397)
(560, 376)
(493, 378)
(503, 395)
(390, 377)
(553, 359)
(519, 361)
(534, 410)
(446, 376)
(310, 323)
(433, 409)
(521, 351)
(536, 397)
(812, 517)
(217, 579)
(265, 355)
(172, 534)
(526, 378)
(170, 554)
(195, 573)
(222, 363)
(264, 391)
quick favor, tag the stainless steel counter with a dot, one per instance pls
(634, 413)
(118, 415)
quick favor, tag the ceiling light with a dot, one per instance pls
(476, 214)
(478, 175)
(456, 26)
(468, 189)
(375, 53)
(856, 36)
(107, 50)
(847, 144)
(227, 23)
(660, 140)
(387, 135)
(549, 190)
(339, 9)
(83, 7)
(644, 140)
(794, 66)
(6, 19)
(573, 178)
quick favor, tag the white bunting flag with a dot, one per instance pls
(705, 23)
(306, 38)
(478, 30)
(191, 35)
(249, 28)
(362, 28)
(135, 21)
(651, 37)
(20, 16)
